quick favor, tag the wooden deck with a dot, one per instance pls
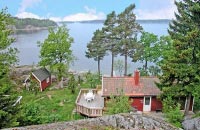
(90, 109)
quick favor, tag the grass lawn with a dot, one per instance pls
(59, 102)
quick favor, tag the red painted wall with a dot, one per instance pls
(44, 83)
(155, 104)
(138, 103)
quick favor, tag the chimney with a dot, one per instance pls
(137, 77)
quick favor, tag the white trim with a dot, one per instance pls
(36, 77)
(39, 81)
(192, 103)
(149, 103)
(47, 80)
(185, 103)
(41, 86)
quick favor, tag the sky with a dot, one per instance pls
(79, 10)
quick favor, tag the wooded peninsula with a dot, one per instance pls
(32, 24)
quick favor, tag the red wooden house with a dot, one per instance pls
(43, 77)
(142, 91)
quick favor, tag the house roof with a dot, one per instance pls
(41, 74)
(115, 85)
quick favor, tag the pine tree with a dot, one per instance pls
(127, 30)
(111, 39)
(96, 48)
(180, 65)
(8, 112)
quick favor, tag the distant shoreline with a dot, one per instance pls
(139, 21)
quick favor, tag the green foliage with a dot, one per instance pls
(95, 48)
(32, 114)
(172, 111)
(118, 104)
(197, 104)
(33, 86)
(180, 65)
(55, 50)
(111, 38)
(48, 107)
(146, 51)
(23, 23)
(93, 79)
(72, 84)
(154, 70)
(118, 65)
(8, 112)
(127, 30)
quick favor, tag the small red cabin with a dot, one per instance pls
(142, 91)
(43, 77)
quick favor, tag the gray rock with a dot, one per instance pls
(118, 122)
(191, 124)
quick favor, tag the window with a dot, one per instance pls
(47, 80)
(147, 100)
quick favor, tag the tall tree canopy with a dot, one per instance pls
(127, 30)
(180, 65)
(147, 50)
(111, 39)
(8, 57)
(55, 50)
(96, 48)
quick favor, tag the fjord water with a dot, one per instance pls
(82, 33)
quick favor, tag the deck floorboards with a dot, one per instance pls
(98, 101)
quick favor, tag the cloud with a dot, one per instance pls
(56, 19)
(27, 15)
(27, 4)
(156, 9)
(90, 14)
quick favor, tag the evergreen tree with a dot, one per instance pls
(8, 112)
(111, 40)
(96, 48)
(127, 30)
(180, 65)
(55, 50)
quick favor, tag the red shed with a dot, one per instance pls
(142, 91)
(43, 77)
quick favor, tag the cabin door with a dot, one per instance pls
(147, 104)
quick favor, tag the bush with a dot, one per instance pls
(172, 112)
(118, 104)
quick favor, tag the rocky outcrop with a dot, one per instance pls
(113, 122)
(191, 124)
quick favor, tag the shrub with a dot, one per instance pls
(172, 112)
(118, 104)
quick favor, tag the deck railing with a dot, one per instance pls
(88, 111)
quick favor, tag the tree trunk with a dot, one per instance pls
(188, 104)
(125, 65)
(112, 64)
(145, 67)
(99, 67)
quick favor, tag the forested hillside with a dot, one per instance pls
(30, 22)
